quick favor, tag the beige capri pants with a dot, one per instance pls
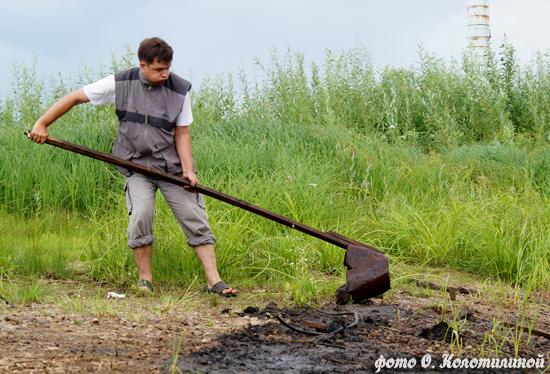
(187, 207)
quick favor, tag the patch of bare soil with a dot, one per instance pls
(44, 338)
(409, 323)
(389, 330)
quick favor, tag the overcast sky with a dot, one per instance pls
(212, 36)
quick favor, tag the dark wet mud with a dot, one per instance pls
(420, 340)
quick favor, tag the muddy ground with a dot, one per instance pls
(83, 333)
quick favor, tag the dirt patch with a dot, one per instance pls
(133, 335)
(381, 330)
(241, 335)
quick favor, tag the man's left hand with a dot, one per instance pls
(192, 178)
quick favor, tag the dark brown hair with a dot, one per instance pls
(152, 48)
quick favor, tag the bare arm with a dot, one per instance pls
(185, 153)
(39, 131)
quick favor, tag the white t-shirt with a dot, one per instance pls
(103, 91)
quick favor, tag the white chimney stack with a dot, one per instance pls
(479, 33)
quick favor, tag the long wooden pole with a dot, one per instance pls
(329, 236)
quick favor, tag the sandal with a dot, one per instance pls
(144, 283)
(218, 288)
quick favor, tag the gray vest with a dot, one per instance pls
(147, 117)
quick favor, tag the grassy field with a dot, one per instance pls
(442, 164)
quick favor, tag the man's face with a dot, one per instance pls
(157, 72)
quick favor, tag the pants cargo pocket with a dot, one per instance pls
(200, 201)
(128, 198)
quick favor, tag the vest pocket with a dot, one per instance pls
(170, 159)
(129, 107)
(167, 169)
(123, 148)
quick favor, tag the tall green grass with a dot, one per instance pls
(444, 163)
(49, 244)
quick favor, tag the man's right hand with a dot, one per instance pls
(39, 133)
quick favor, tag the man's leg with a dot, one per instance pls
(189, 210)
(143, 262)
(207, 257)
(140, 197)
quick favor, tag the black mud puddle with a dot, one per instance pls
(325, 343)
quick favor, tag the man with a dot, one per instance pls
(154, 113)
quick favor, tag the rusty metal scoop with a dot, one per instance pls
(368, 275)
(368, 271)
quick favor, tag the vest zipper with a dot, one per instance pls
(146, 123)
